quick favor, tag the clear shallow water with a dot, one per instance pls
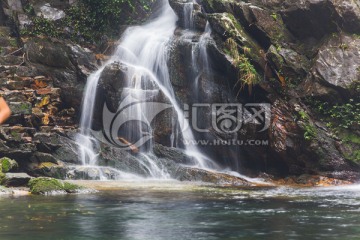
(183, 211)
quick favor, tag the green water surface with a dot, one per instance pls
(153, 212)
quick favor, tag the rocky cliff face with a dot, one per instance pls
(306, 54)
(303, 57)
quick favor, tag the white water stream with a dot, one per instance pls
(144, 49)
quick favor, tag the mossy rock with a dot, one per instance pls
(47, 185)
(2, 176)
(7, 164)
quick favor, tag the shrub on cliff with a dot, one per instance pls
(89, 20)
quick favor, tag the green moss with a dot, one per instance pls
(70, 188)
(7, 164)
(351, 143)
(353, 155)
(274, 16)
(303, 115)
(42, 26)
(47, 185)
(343, 120)
(13, 42)
(310, 131)
(2, 176)
(343, 116)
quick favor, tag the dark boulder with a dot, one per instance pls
(66, 64)
(310, 19)
(16, 180)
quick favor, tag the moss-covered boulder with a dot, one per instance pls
(50, 185)
(7, 164)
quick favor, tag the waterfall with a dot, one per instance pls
(145, 50)
(200, 58)
(188, 15)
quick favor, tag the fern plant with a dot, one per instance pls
(248, 75)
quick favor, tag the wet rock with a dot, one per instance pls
(173, 154)
(306, 180)
(194, 174)
(93, 173)
(122, 160)
(117, 85)
(188, 11)
(62, 148)
(16, 180)
(180, 74)
(111, 83)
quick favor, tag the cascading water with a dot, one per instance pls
(188, 15)
(200, 59)
(144, 49)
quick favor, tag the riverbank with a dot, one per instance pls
(93, 186)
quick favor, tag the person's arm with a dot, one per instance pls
(5, 111)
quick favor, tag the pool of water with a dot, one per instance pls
(184, 211)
